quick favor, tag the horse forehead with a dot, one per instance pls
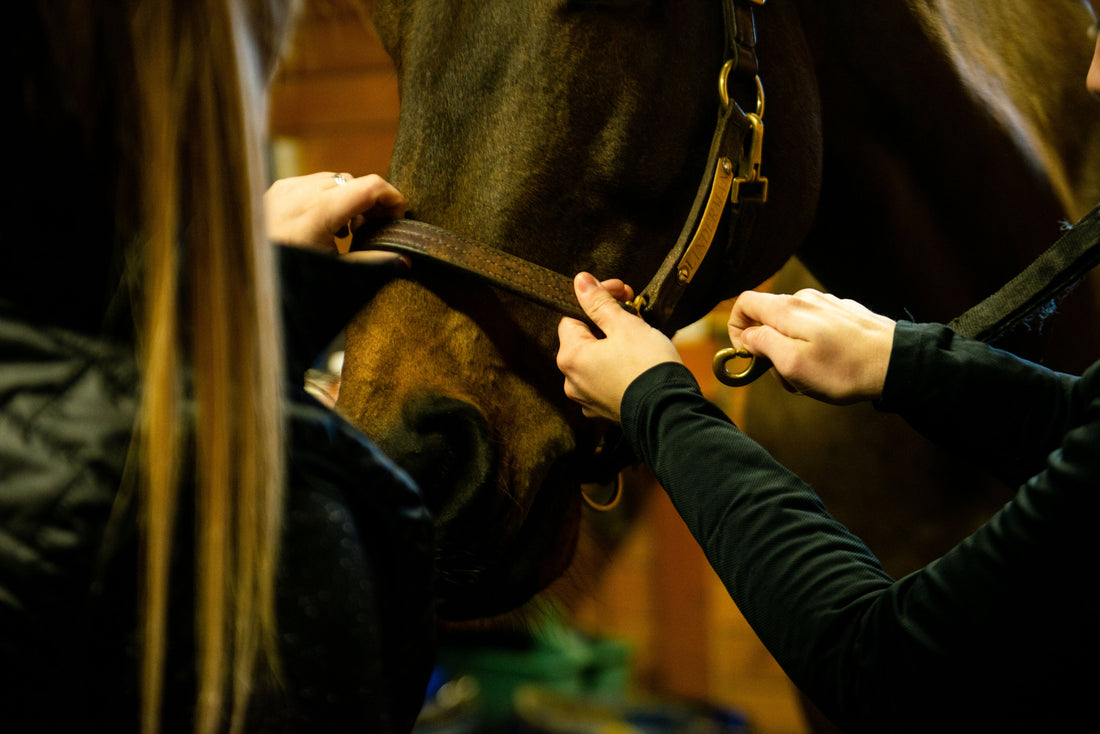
(528, 28)
(543, 69)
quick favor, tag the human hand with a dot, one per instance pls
(312, 210)
(831, 349)
(598, 371)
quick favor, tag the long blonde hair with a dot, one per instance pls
(157, 105)
(208, 302)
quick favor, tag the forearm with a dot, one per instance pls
(1004, 413)
(972, 638)
(797, 574)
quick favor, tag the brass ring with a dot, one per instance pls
(724, 90)
(723, 84)
(611, 503)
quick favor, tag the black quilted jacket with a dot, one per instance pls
(356, 578)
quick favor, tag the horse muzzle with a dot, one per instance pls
(497, 546)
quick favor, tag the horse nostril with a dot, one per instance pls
(445, 444)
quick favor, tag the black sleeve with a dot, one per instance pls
(1003, 413)
(356, 585)
(320, 294)
(982, 637)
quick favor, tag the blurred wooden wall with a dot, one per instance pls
(334, 107)
(334, 102)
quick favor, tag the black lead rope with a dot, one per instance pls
(1047, 278)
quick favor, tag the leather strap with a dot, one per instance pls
(1050, 275)
(496, 267)
(741, 36)
(663, 293)
(660, 297)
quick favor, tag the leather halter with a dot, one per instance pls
(731, 184)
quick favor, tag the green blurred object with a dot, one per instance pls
(552, 656)
(553, 679)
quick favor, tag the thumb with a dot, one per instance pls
(597, 301)
(764, 341)
(747, 338)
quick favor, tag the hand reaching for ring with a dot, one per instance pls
(829, 348)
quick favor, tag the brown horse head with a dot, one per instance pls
(574, 134)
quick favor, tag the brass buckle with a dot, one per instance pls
(635, 306)
(750, 185)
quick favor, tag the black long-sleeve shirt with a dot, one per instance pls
(999, 634)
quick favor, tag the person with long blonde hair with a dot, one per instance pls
(188, 542)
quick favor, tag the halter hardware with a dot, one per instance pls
(708, 224)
